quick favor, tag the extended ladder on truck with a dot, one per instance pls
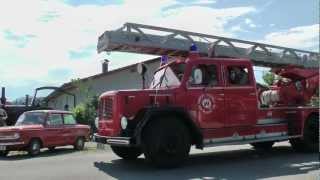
(145, 39)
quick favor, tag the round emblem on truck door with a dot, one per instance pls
(206, 103)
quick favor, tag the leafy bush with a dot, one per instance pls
(85, 113)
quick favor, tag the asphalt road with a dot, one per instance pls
(226, 162)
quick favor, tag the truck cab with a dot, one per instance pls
(199, 101)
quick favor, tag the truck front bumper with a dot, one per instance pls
(113, 141)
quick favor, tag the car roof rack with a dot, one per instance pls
(146, 39)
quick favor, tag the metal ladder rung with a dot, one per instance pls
(134, 38)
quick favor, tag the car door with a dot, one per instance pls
(205, 94)
(240, 94)
(70, 128)
(54, 130)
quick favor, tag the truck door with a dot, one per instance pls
(240, 94)
(205, 96)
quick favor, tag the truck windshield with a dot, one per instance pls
(31, 118)
(169, 76)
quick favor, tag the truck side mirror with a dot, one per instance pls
(142, 69)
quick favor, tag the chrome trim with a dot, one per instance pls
(118, 141)
(8, 138)
(291, 112)
(239, 87)
(283, 138)
(266, 121)
(280, 136)
(160, 94)
(287, 107)
(11, 143)
(267, 125)
(204, 87)
(124, 141)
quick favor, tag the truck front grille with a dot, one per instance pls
(108, 108)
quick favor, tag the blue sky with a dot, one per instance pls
(46, 42)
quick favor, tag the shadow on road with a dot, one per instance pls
(236, 164)
(21, 155)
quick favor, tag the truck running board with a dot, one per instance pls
(145, 39)
(238, 140)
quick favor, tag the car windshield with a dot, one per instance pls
(170, 76)
(31, 118)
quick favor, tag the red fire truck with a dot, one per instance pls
(205, 94)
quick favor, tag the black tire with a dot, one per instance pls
(34, 147)
(166, 142)
(262, 145)
(4, 153)
(127, 153)
(52, 149)
(310, 140)
(79, 144)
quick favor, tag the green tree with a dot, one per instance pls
(269, 78)
(85, 112)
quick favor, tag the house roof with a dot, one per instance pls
(69, 85)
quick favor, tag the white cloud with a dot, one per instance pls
(301, 37)
(205, 2)
(58, 28)
(250, 23)
(236, 28)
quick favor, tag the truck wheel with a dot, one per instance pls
(79, 144)
(127, 153)
(4, 153)
(262, 145)
(34, 147)
(310, 140)
(166, 142)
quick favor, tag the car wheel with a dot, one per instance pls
(310, 140)
(34, 147)
(262, 145)
(79, 144)
(52, 149)
(166, 142)
(127, 153)
(4, 153)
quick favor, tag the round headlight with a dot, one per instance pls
(124, 122)
(96, 122)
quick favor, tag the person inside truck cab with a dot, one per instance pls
(238, 75)
(203, 75)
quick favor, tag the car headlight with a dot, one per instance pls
(16, 136)
(124, 122)
(10, 137)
